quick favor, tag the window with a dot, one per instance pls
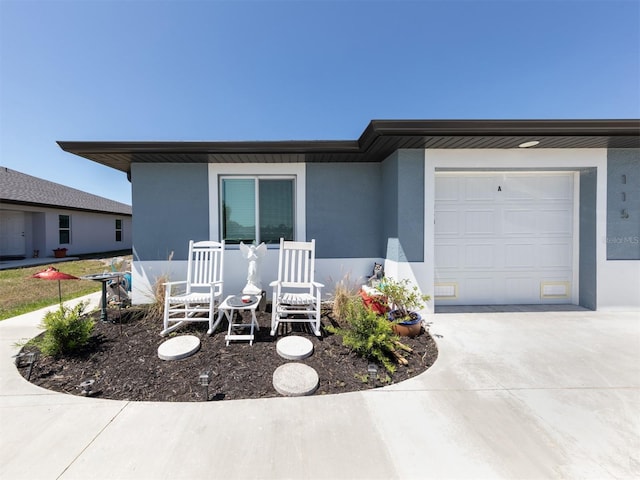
(259, 209)
(118, 230)
(64, 229)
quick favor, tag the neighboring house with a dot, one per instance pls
(38, 216)
(461, 207)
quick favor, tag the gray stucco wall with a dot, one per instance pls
(587, 253)
(170, 207)
(343, 209)
(403, 185)
(623, 204)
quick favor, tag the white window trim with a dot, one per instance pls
(297, 171)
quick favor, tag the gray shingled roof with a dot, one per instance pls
(20, 188)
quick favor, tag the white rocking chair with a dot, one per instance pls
(296, 296)
(198, 300)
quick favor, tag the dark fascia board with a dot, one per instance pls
(503, 128)
(101, 151)
(286, 146)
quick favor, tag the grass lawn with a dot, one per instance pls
(19, 293)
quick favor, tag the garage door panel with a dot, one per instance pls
(521, 289)
(479, 222)
(519, 255)
(556, 255)
(544, 187)
(477, 289)
(478, 256)
(504, 238)
(554, 222)
(448, 222)
(556, 187)
(518, 221)
(447, 256)
(448, 190)
(517, 188)
(479, 188)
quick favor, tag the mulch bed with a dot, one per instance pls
(122, 358)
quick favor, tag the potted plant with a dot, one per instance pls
(404, 299)
(60, 252)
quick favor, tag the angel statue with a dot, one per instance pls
(254, 255)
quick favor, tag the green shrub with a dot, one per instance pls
(66, 330)
(367, 333)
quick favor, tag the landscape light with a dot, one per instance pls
(203, 380)
(87, 386)
(372, 369)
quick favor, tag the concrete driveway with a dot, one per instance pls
(512, 395)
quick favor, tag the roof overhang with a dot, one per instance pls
(379, 140)
(6, 201)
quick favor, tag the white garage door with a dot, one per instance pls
(504, 238)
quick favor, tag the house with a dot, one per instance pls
(474, 211)
(38, 216)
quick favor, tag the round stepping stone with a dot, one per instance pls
(294, 347)
(179, 347)
(295, 380)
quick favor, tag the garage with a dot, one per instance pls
(505, 238)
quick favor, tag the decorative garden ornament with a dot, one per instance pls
(254, 255)
(52, 273)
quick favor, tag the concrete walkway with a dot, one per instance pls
(512, 395)
(33, 262)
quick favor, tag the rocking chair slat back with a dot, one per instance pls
(297, 263)
(205, 264)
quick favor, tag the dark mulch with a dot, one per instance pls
(122, 359)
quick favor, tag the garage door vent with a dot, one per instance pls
(445, 290)
(554, 289)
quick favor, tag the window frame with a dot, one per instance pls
(119, 230)
(293, 167)
(256, 179)
(64, 229)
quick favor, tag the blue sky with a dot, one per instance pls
(298, 70)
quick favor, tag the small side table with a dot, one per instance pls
(228, 308)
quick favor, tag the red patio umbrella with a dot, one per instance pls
(52, 273)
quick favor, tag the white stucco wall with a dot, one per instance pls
(619, 285)
(90, 232)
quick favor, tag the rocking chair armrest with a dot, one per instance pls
(174, 283)
(169, 286)
(274, 283)
(318, 284)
